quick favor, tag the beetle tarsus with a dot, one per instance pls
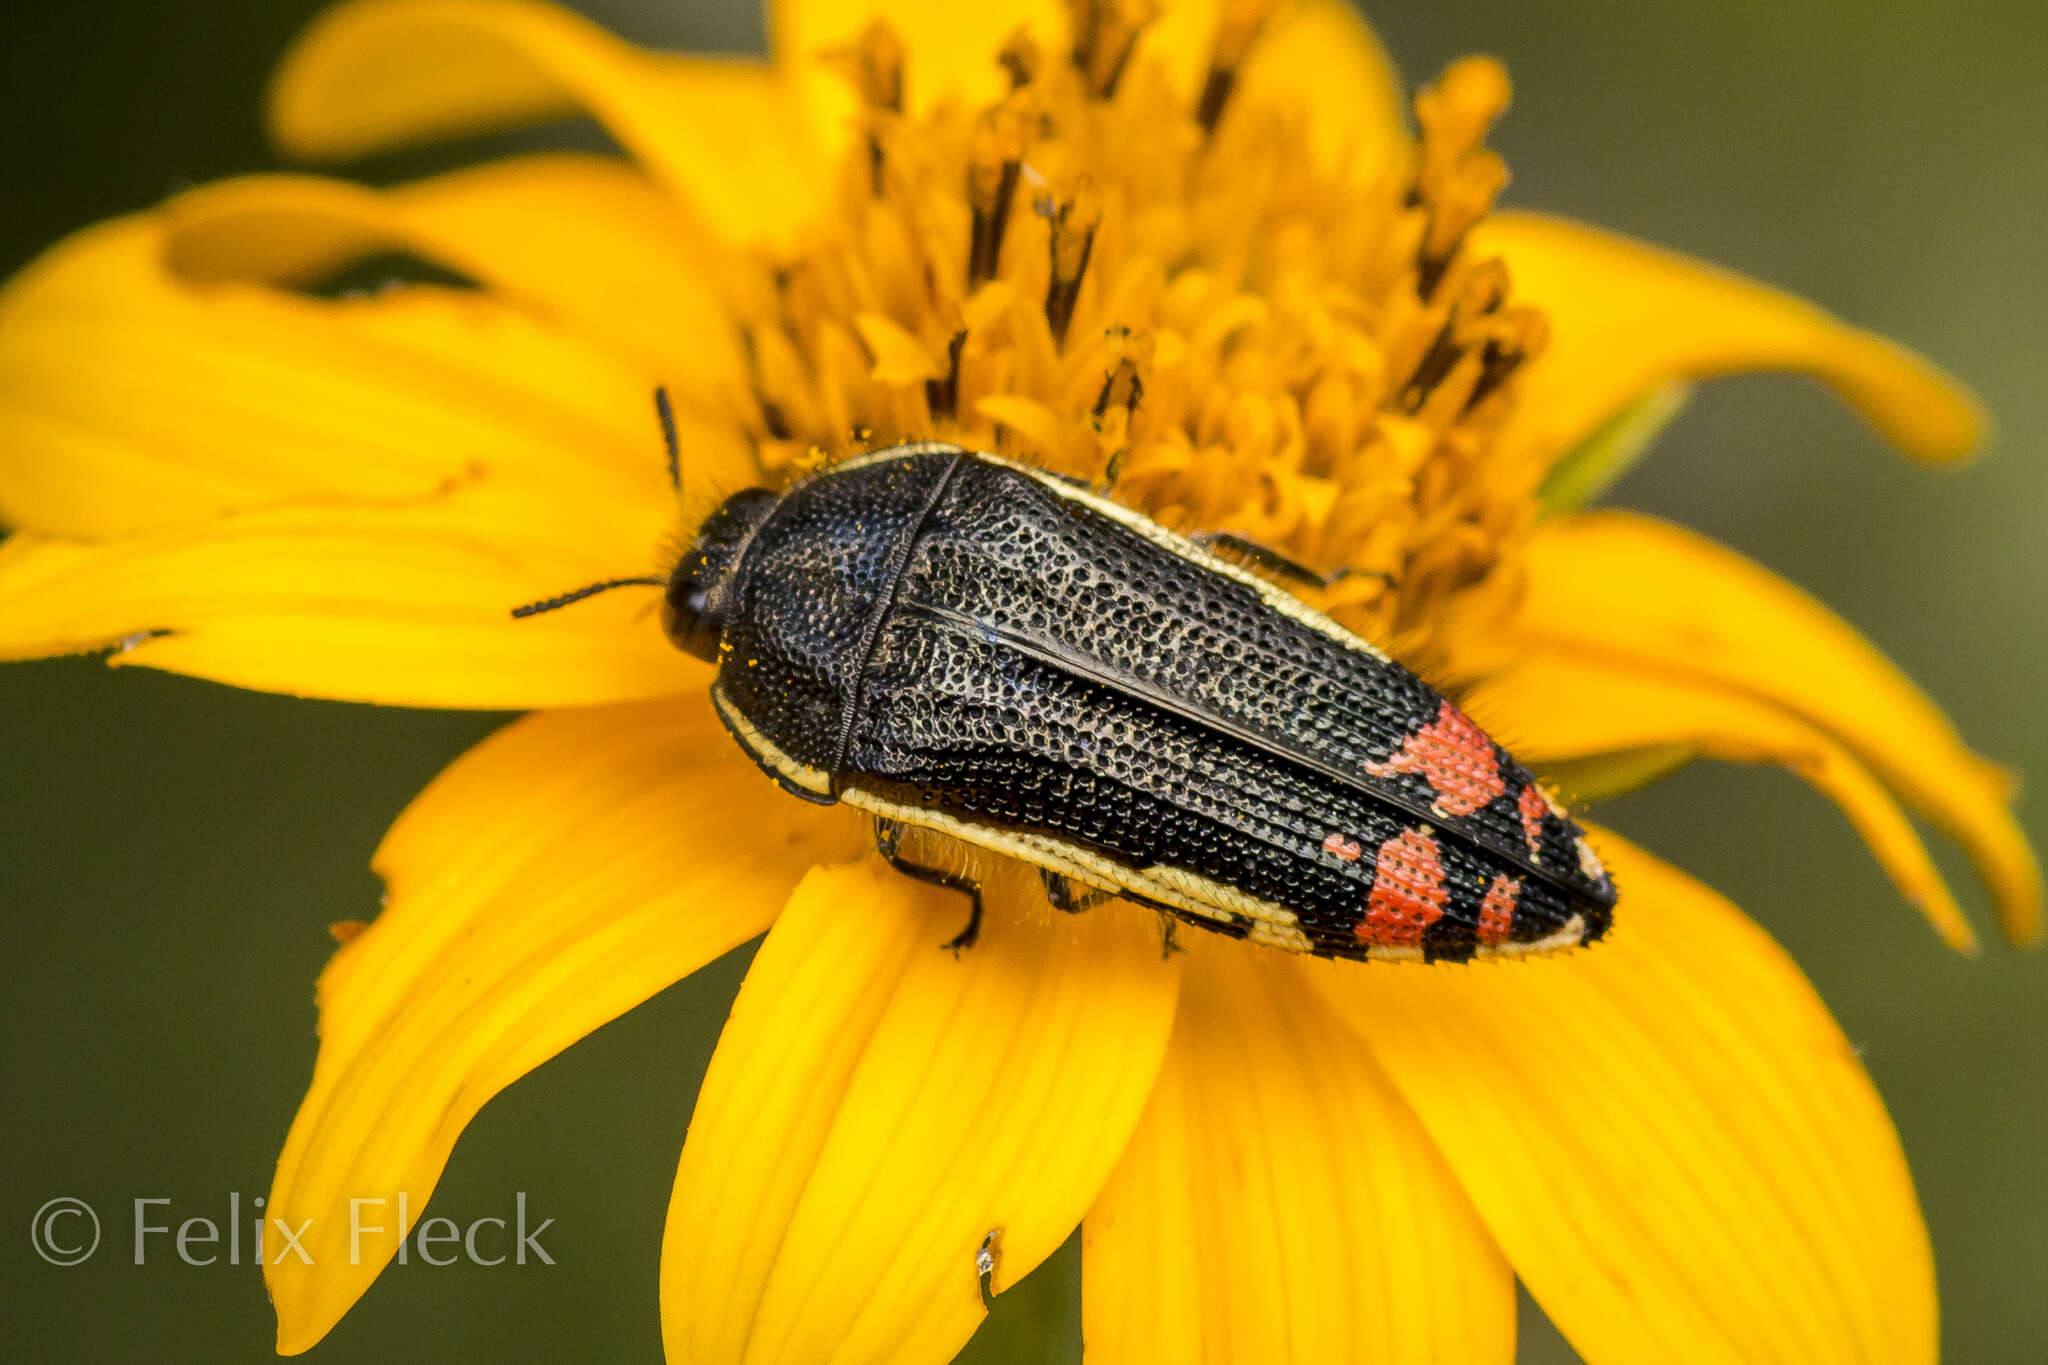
(967, 937)
(888, 843)
(1061, 895)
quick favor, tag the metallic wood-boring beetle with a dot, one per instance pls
(944, 639)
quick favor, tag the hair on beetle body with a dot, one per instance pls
(981, 654)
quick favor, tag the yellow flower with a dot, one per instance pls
(1196, 253)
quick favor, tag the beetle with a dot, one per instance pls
(952, 641)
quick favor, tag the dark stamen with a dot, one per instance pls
(1120, 59)
(1528, 331)
(873, 63)
(1429, 269)
(1116, 406)
(878, 165)
(1105, 35)
(1121, 387)
(991, 218)
(1495, 365)
(942, 396)
(992, 172)
(1074, 222)
(1216, 90)
(1432, 369)
(1019, 59)
(773, 420)
(1238, 30)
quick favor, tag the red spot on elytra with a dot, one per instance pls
(1497, 911)
(1532, 805)
(1456, 758)
(1343, 849)
(1408, 892)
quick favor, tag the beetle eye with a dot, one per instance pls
(699, 595)
(692, 614)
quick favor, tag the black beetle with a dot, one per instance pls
(948, 640)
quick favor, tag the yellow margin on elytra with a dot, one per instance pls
(765, 750)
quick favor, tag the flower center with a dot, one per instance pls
(1172, 295)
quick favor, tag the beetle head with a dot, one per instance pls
(699, 595)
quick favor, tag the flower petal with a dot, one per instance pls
(403, 605)
(1635, 593)
(875, 1108)
(554, 877)
(376, 74)
(339, 498)
(1279, 1201)
(583, 240)
(1626, 318)
(1321, 54)
(1671, 1139)
(949, 52)
(1567, 711)
(130, 398)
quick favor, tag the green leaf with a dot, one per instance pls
(1608, 453)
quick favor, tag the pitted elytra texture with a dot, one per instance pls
(979, 647)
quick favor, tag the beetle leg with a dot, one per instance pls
(889, 839)
(1060, 893)
(1274, 562)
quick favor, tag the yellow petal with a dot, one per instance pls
(1634, 593)
(876, 1108)
(1564, 710)
(582, 240)
(1279, 1202)
(1322, 54)
(1626, 318)
(949, 51)
(407, 605)
(553, 878)
(1673, 1142)
(377, 74)
(132, 399)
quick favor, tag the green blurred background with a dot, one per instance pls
(174, 850)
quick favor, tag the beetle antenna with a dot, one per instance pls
(669, 442)
(592, 590)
